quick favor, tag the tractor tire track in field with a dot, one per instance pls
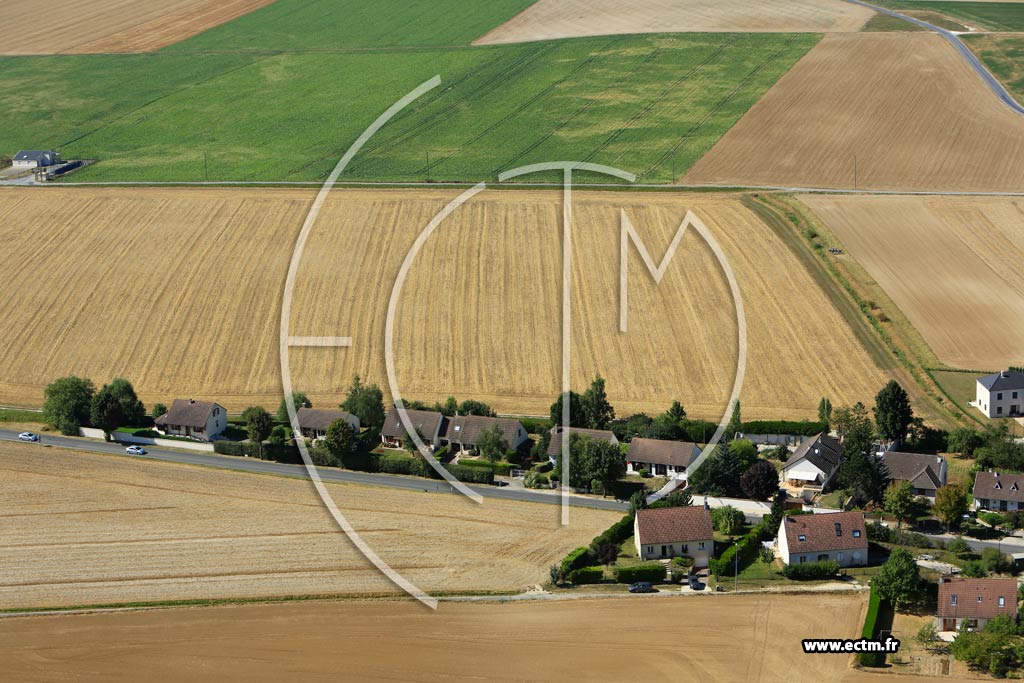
(655, 101)
(523, 106)
(714, 110)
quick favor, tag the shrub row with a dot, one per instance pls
(535, 425)
(580, 557)
(653, 572)
(810, 571)
(500, 468)
(616, 534)
(801, 428)
(587, 575)
(747, 547)
(870, 631)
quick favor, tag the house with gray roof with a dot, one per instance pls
(660, 457)
(926, 473)
(814, 463)
(555, 444)
(199, 420)
(314, 422)
(35, 158)
(429, 423)
(998, 491)
(463, 431)
(1000, 394)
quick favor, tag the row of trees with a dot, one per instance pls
(735, 470)
(73, 402)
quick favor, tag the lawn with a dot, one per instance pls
(1004, 57)
(345, 24)
(651, 105)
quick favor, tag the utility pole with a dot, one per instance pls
(736, 571)
(855, 171)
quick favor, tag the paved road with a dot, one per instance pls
(327, 474)
(954, 40)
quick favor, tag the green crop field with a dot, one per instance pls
(340, 24)
(649, 104)
(992, 16)
(1004, 57)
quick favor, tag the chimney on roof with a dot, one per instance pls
(191, 401)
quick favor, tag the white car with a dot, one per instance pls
(28, 436)
(135, 450)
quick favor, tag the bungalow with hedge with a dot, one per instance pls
(1001, 491)
(926, 473)
(313, 422)
(555, 444)
(972, 602)
(462, 432)
(813, 464)
(660, 457)
(199, 420)
(429, 423)
(840, 537)
(663, 533)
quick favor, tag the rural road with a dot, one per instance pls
(251, 465)
(954, 40)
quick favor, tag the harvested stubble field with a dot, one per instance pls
(479, 315)
(906, 107)
(550, 19)
(750, 638)
(73, 26)
(950, 263)
(83, 529)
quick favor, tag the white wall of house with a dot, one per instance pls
(216, 423)
(996, 505)
(1002, 403)
(670, 471)
(847, 557)
(700, 551)
(803, 470)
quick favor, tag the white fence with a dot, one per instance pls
(91, 433)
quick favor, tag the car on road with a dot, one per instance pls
(135, 450)
(28, 436)
(642, 587)
(695, 583)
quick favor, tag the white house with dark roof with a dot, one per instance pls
(429, 423)
(462, 432)
(35, 158)
(998, 491)
(199, 420)
(1000, 394)
(555, 444)
(835, 536)
(674, 532)
(313, 422)
(814, 463)
(926, 473)
(660, 457)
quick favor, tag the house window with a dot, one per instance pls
(856, 533)
(650, 549)
(1015, 394)
(952, 600)
(700, 546)
(979, 599)
(685, 548)
(801, 538)
(1002, 601)
(999, 410)
(999, 396)
(839, 557)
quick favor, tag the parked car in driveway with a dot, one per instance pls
(135, 450)
(695, 583)
(641, 587)
(28, 436)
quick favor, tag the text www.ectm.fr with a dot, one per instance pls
(839, 645)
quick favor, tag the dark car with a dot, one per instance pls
(695, 583)
(641, 587)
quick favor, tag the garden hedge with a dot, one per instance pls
(576, 559)
(653, 572)
(811, 571)
(870, 631)
(587, 575)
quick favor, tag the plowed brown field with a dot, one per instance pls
(874, 111)
(73, 26)
(549, 19)
(750, 638)
(81, 529)
(952, 265)
(180, 291)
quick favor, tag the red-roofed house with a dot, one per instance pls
(974, 601)
(838, 536)
(674, 532)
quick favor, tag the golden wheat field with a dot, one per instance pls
(73, 26)
(549, 19)
(80, 528)
(874, 111)
(952, 265)
(180, 291)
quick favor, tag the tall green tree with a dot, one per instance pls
(864, 475)
(133, 411)
(105, 411)
(727, 520)
(340, 441)
(735, 422)
(899, 581)
(299, 399)
(680, 498)
(471, 407)
(825, 411)
(676, 412)
(158, 410)
(951, 504)
(577, 418)
(899, 501)
(597, 411)
(719, 474)
(491, 443)
(857, 430)
(593, 459)
(893, 413)
(258, 425)
(367, 403)
(68, 403)
(760, 481)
